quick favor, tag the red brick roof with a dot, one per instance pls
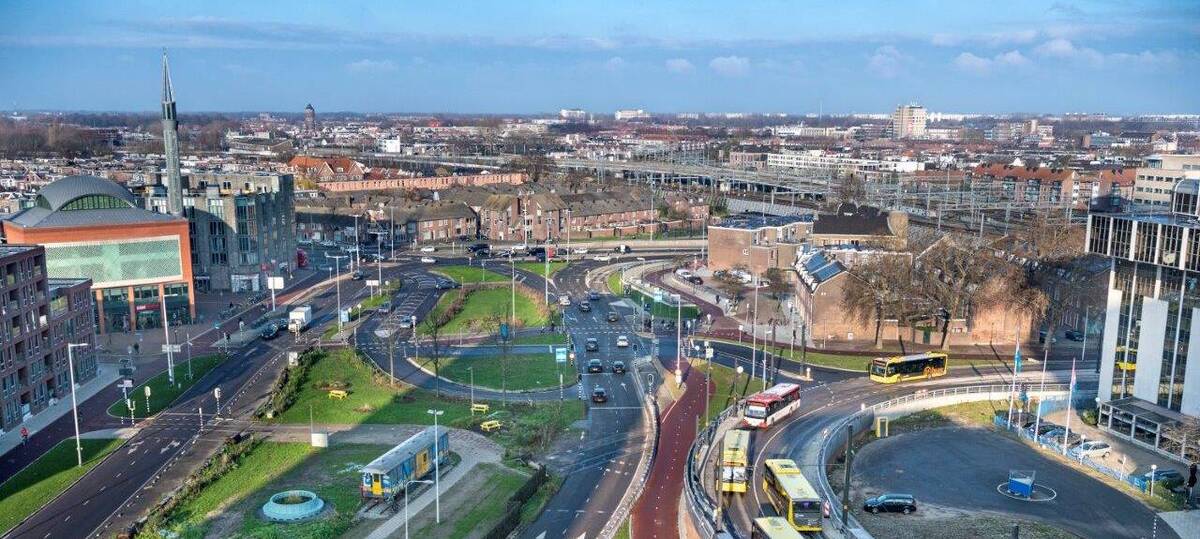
(1000, 170)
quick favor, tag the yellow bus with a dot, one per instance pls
(889, 370)
(791, 495)
(773, 528)
(735, 459)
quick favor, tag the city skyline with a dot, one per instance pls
(539, 57)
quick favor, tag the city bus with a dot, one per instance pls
(889, 370)
(773, 528)
(791, 495)
(763, 409)
(732, 470)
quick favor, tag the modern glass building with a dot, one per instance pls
(138, 260)
(1150, 353)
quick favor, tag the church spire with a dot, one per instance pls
(170, 127)
(168, 94)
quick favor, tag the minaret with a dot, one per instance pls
(171, 142)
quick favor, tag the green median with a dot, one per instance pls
(162, 392)
(47, 477)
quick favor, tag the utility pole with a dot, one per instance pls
(338, 285)
(74, 404)
(846, 480)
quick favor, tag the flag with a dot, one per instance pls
(1017, 360)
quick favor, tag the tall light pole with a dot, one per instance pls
(74, 404)
(355, 242)
(392, 230)
(568, 235)
(437, 459)
(406, 484)
(338, 284)
(167, 337)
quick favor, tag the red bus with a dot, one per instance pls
(766, 408)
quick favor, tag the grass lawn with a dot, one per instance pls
(485, 304)
(978, 413)
(163, 394)
(525, 371)
(722, 378)
(854, 362)
(614, 284)
(542, 338)
(370, 399)
(271, 467)
(487, 506)
(27, 491)
(663, 310)
(373, 302)
(539, 268)
(472, 274)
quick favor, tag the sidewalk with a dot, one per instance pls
(1125, 457)
(106, 375)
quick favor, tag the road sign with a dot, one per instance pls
(275, 283)
(173, 348)
(372, 282)
(560, 355)
(126, 383)
(216, 392)
(147, 390)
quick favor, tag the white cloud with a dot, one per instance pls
(1065, 49)
(366, 65)
(616, 63)
(730, 66)
(679, 65)
(988, 39)
(887, 61)
(980, 65)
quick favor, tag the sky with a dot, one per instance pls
(532, 56)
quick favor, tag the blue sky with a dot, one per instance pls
(669, 56)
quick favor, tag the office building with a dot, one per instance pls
(40, 316)
(908, 121)
(1150, 351)
(1154, 183)
(630, 114)
(94, 228)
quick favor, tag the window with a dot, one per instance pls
(95, 202)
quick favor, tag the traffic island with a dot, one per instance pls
(161, 392)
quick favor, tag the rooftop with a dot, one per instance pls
(9, 250)
(753, 221)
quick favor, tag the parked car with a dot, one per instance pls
(446, 284)
(385, 307)
(591, 345)
(503, 253)
(595, 366)
(1073, 335)
(580, 250)
(619, 367)
(695, 279)
(622, 341)
(1043, 428)
(357, 275)
(1091, 449)
(564, 300)
(585, 307)
(1167, 477)
(483, 253)
(428, 260)
(1056, 436)
(683, 273)
(613, 316)
(593, 295)
(599, 395)
(479, 247)
(891, 503)
(602, 258)
(428, 249)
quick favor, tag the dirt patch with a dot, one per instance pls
(945, 522)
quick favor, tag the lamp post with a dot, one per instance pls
(338, 284)
(1153, 477)
(406, 484)
(74, 404)
(437, 459)
(471, 370)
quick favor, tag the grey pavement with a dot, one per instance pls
(106, 374)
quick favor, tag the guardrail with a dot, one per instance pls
(701, 506)
(642, 472)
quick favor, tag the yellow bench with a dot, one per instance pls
(481, 408)
(489, 426)
(338, 394)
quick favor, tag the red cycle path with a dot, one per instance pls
(656, 513)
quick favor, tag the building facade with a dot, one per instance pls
(909, 121)
(1154, 183)
(41, 316)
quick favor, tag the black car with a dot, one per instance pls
(585, 307)
(695, 279)
(891, 503)
(270, 331)
(595, 366)
(479, 247)
(1073, 335)
(613, 317)
(446, 284)
(483, 253)
(357, 275)
(591, 345)
(593, 295)
(619, 367)
(599, 395)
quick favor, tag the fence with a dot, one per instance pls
(700, 505)
(512, 512)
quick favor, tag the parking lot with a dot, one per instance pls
(969, 464)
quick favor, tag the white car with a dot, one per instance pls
(622, 341)
(1091, 449)
(580, 250)
(683, 273)
(564, 300)
(520, 248)
(603, 258)
(428, 260)
(428, 249)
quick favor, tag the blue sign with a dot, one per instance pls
(504, 331)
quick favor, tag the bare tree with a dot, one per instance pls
(952, 277)
(881, 288)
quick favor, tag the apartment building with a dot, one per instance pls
(1154, 183)
(819, 161)
(909, 121)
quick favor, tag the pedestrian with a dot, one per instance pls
(24, 435)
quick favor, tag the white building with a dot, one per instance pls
(816, 160)
(630, 114)
(573, 115)
(1155, 183)
(908, 121)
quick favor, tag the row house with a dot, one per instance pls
(1027, 184)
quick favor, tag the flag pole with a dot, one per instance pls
(1070, 397)
(1037, 423)
(1013, 390)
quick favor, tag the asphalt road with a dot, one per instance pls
(108, 491)
(968, 464)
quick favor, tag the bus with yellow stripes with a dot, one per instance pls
(791, 495)
(889, 370)
(773, 528)
(733, 469)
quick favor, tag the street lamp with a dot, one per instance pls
(471, 370)
(406, 484)
(338, 284)
(1153, 476)
(437, 459)
(74, 404)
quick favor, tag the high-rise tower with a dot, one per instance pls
(171, 142)
(310, 119)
